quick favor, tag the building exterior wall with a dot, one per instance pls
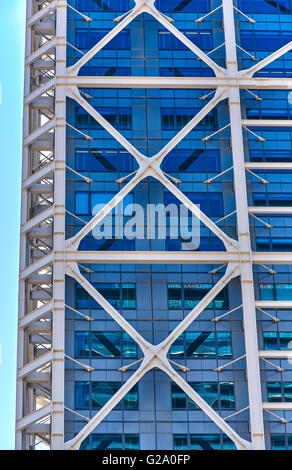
(90, 307)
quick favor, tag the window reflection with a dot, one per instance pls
(202, 442)
(111, 441)
(104, 344)
(202, 344)
(187, 296)
(94, 395)
(219, 395)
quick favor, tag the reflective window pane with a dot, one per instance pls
(82, 344)
(81, 394)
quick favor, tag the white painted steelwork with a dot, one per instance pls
(45, 255)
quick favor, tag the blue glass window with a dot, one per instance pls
(82, 348)
(82, 394)
(96, 394)
(279, 391)
(192, 161)
(177, 6)
(186, 72)
(119, 295)
(202, 442)
(280, 340)
(86, 38)
(202, 344)
(82, 298)
(102, 5)
(275, 291)
(272, 199)
(82, 118)
(264, 40)
(210, 203)
(123, 296)
(205, 244)
(187, 296)
(269, 113)
(180, 442)
(177, 118)
(274, 244)
(210, 442)
(265, 6)
(118, 117)
(90, 243)
(81, 202)
(111, 442)
(103, 391)
(85, 202)
(100, 344)
(219, 395)
(270, 155)
(167, 41)
(281, 441)
(104, 71)
(111, 160)
(105, 197)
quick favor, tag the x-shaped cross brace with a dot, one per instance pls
(154, 356)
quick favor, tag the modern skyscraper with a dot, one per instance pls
(140, 329)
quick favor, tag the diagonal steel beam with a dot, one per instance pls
(41, 14)
(35, 315)
(32, 366)
(266, 61)
(154, 356)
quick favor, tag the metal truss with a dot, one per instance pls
(46, 257)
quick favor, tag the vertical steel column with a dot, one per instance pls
(23, 218)
(58, 328)
(247, 287)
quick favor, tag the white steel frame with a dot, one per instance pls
(45, 255)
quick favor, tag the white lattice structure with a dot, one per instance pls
(45, 255)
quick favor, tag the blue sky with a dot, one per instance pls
(12, 23)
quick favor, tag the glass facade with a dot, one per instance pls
(154, 298)
(202, 442)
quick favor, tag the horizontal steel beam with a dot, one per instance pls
(267, 122)
(45, 27)
(274, 304)
(40, 327)
(284, 406)
(145, 82)
(175, 257)
(151, 257)
(38, 428)
(178, 82)
(269, 165)
(276, 354)
(38, 377)
(270, 210)
(262, 83)
(45, 144)
(42, 188)
(44, 102)
(273, 257)
(40, 279)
